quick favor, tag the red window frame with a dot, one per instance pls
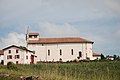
(26, 57)
(9, 57)
(16, 50)
(17, 56)
(9, 51)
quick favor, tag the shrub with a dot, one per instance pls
(87, 58)
(75, 60)
(11, 65)
(2, 62)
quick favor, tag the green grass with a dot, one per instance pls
(68, 71)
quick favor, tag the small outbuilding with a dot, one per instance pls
(96, 56)
(109, 57)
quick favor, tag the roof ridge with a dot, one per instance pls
(21, 47)
(61, 40)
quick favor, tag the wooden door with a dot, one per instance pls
(32, 59)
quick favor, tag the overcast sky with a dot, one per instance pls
(96, 20)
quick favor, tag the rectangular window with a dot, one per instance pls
(71, 51)
(60, 52)
(16, 51)
(48, 52)
(9, 51)
(26, 57)
(17, 56)
(9, 57)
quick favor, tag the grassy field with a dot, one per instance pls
(68, 71)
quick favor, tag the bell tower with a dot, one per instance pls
(33, 36)
(30, 36)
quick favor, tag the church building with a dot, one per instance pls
(18, 55)
(59, 49)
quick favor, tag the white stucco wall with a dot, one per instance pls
(96, 57)
(42, 51)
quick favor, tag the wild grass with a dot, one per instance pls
(68, 71)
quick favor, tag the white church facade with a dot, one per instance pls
(59, 49)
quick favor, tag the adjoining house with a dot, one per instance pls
(96, 56)
(1, 56)
(59, 49)
(109, 57)
(18, 55)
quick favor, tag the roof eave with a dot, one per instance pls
(55, 42)
(17, 47)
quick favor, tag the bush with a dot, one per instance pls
(11, 65)
(2, 62)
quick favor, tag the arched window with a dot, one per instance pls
(48, 52)
(60, 59)
(60, 52)
(80, 54)
(71, 51)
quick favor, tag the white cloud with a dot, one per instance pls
(96, 19)
(113, 5)
(12, 38)
(59, 30)
(118, 33)
(25, 11)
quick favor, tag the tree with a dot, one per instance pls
(115, 57)
(102, 56)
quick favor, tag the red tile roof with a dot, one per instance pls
(109, 56)
(1, 52)
(60, 40)
(33, 34)
(96, 54)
